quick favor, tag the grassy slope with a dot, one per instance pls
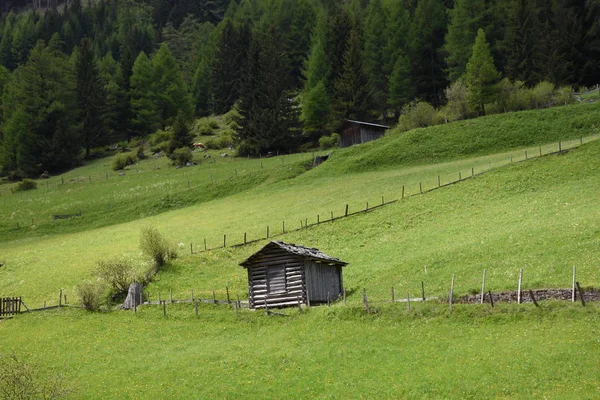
(538, 215)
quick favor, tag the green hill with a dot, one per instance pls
(539, 215)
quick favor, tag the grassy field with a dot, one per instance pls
(540, 215)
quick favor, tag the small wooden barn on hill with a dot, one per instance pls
(357, 132)
(279, 274)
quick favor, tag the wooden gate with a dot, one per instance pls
(10, 306)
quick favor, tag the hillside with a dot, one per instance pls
(538, 215)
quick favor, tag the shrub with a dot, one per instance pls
(416, 114)
(159, 136)
(181, 156)
(541, 94)
(119, 273)
(327, 142)
(222, 141)
(140, 153)
(563, 95)
(26, 184)
(457, 107)
(91, 294)
(22, 380)
(123, 160)
(154, 245)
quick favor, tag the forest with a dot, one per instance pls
(75, 77)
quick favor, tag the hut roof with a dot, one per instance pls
(350, 121)
(305, 252)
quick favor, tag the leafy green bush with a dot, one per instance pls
(22, 380)
(91, 294)
(119, 273)
(25, 184)
(140, 153)
(159, 137)
(181, 156)
(541, 94)
(154, 245)
(416, 114)
(563, 95)
(330, 141)
(224, 140)
(123, 160)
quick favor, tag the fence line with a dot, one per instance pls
(404, 195)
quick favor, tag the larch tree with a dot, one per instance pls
(480, 74)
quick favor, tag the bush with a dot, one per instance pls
(91, 294)
(140, 153)
(25, 184)
(541, 94)
(154, 245)
(123, 160)
(416, 114)
(563, 95)
(330, 141)
(119, 273)
(159, 137)
(457, 106)
(224, 140)
(22, 380)
(181, 156)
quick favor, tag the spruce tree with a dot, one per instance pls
(91, 98)
(480, 74)
(180, 133)
(400, 88)
(143, 98)
(170, 91)
(465, 19)
(522, 42)
(375, 58)
(353, 96)
(429, 27)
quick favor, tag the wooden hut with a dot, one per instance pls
(280, 274)
(357, 132)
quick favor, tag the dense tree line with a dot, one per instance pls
(83, 77)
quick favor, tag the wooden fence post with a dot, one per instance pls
(228, 299)
(459, 176)
(420, 188)
(439, 181)
(573, 288)
(346, 210)
(191, 249)
(519, 294)
(267, 231)
(192, 294)
(580, 294)
(244, 238)
(164, 308)
(491, 299)
(393, 294)
(60, 298)
(408, 300)
(366, 301)
(196, 307)
(483, 287)
(205, 248)
(533, 298)
(344, 292)
(283, 226)
(423, 290)
(402, 191)
(451, 293)
(171, 296)
(214, 298)
(224, 241)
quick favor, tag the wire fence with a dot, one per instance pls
(274, 231)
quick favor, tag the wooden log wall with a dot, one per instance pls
(276, 278)
(324, 282)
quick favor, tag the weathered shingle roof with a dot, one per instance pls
(305, 252)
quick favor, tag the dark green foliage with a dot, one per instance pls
(523, 42)
(352, 87)
(429, 27)
(143, 98)
(91, 99)
(25, 184)
(268, 111)
(123, 160)
(181, 156)
(180, 136)
(154, 245)
(480, 74)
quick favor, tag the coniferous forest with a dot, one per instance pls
(76, 76)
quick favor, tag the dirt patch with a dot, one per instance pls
(589, 294)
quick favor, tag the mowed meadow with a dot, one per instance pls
(540, 215)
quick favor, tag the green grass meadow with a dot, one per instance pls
(540, 215)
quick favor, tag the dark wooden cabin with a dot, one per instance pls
(279, 274)
(357, 132)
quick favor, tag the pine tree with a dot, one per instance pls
(316, 109)
(465, 19)
(400, 88)
(170, 91)
(375, 40)
(268, 112)
(143, 98)
(522, 42)
(353, 97)
(480, 74)
(91, 98)
(429, 26)
(180, 136)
